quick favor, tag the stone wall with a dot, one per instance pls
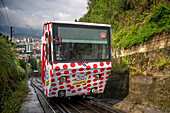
(149, 82)
(155, 43)
(117, 86)
(154, 63)
(149, 74)
(150, 91)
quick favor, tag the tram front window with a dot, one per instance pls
(81, 44)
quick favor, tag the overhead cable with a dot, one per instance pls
(3, 17)
(6, 13)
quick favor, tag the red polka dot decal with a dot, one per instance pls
(65, 66)
(88, 81)
(58, 78)
(55, 89)
(79, 89)
(68, 86)
(71, 87)
(108, 73)
(58, 73)
(61, 87)
(72, 64)
(61, 83)
(100, 89)
(83, 94)
(100, 86)
(68, 90)
(101, 64)
(53, 84)
(68, 81)
(74, 70)
(78, 85)
(79, 63)
(66, 72)
(85, 87)
(52, 80)
(108, 63)
(95, 71)
(101, 82)
(101, 70)
(88, 89)
(95, 84)
(101, 78)
(94, 65)
(107, 77)
(108, 68)
(88, 72)
(53, 93)
(73, 91)
(73, 75)
(88, 85)
(57, 68)
(88, 67)
(81, 69)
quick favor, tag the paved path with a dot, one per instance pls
(31, 103)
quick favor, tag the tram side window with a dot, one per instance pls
(50, 47)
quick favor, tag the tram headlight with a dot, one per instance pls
(97, 77)
(63, 79)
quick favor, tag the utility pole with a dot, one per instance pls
(11, 32)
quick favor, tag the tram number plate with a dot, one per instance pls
(79, 82)
(80, 79)
(47, 83)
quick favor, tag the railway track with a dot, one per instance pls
(71, 104)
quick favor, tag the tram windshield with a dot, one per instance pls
(77, 43)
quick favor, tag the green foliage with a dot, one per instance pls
(23, 64)
(120, 66)
(133, 21)
(163, 63)
(39, 67)
(11, 73)
(13, 102)
(157, 22)
(33, 63)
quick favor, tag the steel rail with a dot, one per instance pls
(34, 86)
(105, 108)
(74, 108)
(65, 108)
(46, 99)
(88, 107)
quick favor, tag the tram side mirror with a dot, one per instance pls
(58, 41)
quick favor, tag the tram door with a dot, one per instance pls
(48, 55)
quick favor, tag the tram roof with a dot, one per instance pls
(79, 23)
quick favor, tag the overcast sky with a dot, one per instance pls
(33, 13)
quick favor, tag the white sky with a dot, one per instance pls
(33, 13)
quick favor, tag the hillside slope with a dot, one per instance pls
(12, 75)
(133, 21)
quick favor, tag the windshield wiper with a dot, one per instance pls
(76, 55)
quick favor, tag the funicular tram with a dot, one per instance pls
(75, 58)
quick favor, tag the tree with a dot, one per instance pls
(22, 63)
(33, 63)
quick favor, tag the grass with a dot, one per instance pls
(13, 103)
(120, 66)
(158, 21)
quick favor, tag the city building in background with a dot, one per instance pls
(28, 45)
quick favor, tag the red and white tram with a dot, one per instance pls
(75, 58)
